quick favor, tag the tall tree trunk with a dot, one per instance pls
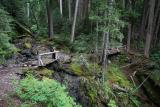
(97, 25)
(28, 10)
(143, 22)
(129, 28)
(50, 18)
(156, 24)
(105, 54)
(74, 21)
(61, 8)
(69, 10)
(105, 48)
(150, 28)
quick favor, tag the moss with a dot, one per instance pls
(116, 76)
(27, 45)
(75, 69)
(92, 93)
(112, 103)
(38, 72)
(92, 89)
(44, 72)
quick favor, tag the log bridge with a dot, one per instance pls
(110, 51)
(40, 62)
(113, 51)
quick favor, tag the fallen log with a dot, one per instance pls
(117, 87)
(23, 28)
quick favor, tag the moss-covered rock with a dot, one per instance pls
(27, 45)
(75, 69)
(38, 72)
(44, 72)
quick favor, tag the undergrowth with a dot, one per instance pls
(116, 97)
(116, 76)
(48, 92)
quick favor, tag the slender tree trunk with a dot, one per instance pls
(124, 4)
(144, 21)
(74, 21)
(129, 29)
(105, 48)
(69, 10)
(50, 18)
(129, 36)
(28, 10)
(150, 28)
(105, 54)
(156, 24)
(156, 31)
(97, 25)
(106, 43)
(61, 8)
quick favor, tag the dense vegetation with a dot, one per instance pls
(110, 51)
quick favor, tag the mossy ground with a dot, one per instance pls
(39, 72)
(115, 75)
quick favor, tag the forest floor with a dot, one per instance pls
(8, 83)
(9, 77)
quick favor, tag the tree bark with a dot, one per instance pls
(105, 48)
(69, 10)
(129, 36)
(50, 18)
(97, 25)
(74, 21)
(105, 54)
(61, 8)
(150, 28)
(28, 10)
(144, 21)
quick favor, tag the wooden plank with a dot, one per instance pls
(40, 62)
(48, 53)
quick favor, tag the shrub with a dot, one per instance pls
(6, 49)
(116, 76)
(112, 103)
(47, 92)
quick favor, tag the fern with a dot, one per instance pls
(48, 92)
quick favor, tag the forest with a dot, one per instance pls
(79, 53)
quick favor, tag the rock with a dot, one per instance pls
(27, 53)
(63, 57)
(27, 45)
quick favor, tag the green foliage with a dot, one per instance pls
(5, 22)
(39, 72)
(107, 89)
(112, 103)
(126, 99)
(47, 92)
(108, 18)
(16, 9)
(155, 56)
(80, 66)
(84, 43)
(116, 76)
(6, 48)
(76, 69)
